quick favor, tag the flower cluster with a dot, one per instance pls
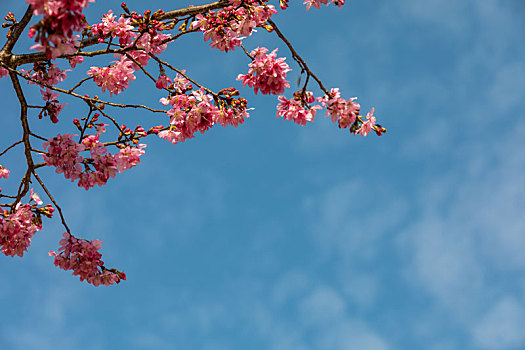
(317, 3)
(120, 28)
(51, 75)
(346, 114)
(63, 153)
(115, 78)
(52, 107)
(193, 110)
(189, 113)
(227, 27)
(298, 109)
(17, 228)
(82, 257)
(60, 19)
(267, 73)
(46, 73)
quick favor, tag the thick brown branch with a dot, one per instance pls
(18, 60)
(24, 185)
(194, 10)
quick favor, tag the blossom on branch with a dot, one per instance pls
(82, 257)
(227, 27)
(342, 111)
(298, 108)
(60, 19)
(267, 73)
(63, 153)
(18, 227)
(368, 125)
(317, 3)
(115, 78)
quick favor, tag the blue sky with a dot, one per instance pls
(274, 236)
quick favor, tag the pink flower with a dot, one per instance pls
(63, 153)
(61, 19)
(35, 198)
(17, 229)
(367, 126)
(73, 61)
(317, 3)
(163, 82)
(120, 28)
(296, 109)
(50, 75)
(4, 172)
(170, 135)
(227, 27)
(342, 111)
(82, 257)
(129, 157)
(266, 73)
(3, 72)
(115, 78)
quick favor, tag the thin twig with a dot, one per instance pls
(84, 97)
(298, 58)
(52, 200)
(78, 84)
(8, 148)
(38, 136)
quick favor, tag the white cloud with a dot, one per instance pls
(466, 246)
(322, 306)
(350, 219)
(351, 334)
(502, 327)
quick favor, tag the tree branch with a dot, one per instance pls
(17, 31)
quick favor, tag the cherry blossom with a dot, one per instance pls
(120, 28)
(317, 3)
(266, 73)
(48, 74)
(17, 228)
(82, 257)
(3, 72)
(298, 109)
(368, 125)
(73, 61)
(115, 78)
(227, 27)
(342, 111)
(60, 19)
(52, 107)
(63, 153)
(4, 172)
(162, 82)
